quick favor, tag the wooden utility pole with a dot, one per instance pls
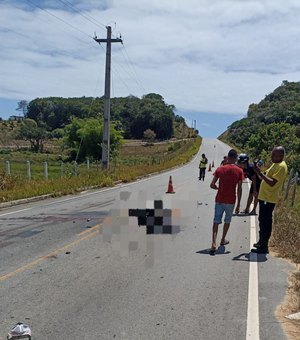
(106, 136)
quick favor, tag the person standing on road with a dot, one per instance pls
(202, 167)
(253, 193)
(268, 196)
(243, 162)
(229, 178)
(224, 161)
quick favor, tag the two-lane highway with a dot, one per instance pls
(79, 267)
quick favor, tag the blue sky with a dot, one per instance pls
(209, 58)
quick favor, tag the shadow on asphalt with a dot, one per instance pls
(250, 257)
(219, 251)
(243, 215)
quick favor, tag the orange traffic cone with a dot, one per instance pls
(209, 168)
(170, 187)
(213, 164)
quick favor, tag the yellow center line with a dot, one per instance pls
(44, 257)
(90, 229)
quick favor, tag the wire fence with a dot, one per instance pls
(39, 169)
(46, 170)
(291, 186)
(33, 169)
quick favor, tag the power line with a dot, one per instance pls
(86, 16)
(131, 71)
(136, 78)
(70, 5)
(35, 41)
(55, 16)
(117, 73)
(11, 30)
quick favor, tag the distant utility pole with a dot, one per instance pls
(106, 136)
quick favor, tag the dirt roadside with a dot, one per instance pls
(291, 302)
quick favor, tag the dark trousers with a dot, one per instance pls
(265, 219)
(202, 173)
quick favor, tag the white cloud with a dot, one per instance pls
(209, 55)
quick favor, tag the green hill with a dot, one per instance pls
(275, 120)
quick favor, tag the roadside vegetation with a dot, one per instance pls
(135, 160)
(286, 233)
(275, 120)
(285, 242)
(55, 147)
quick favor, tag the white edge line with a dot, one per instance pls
(253, 305)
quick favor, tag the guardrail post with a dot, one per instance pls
(88, 164)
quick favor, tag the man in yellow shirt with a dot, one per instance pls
(202, 167)
(272, 182)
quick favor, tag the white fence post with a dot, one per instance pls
(62, 169)
(28, 169)
(295, 187)
(46, 170)
(8, 167)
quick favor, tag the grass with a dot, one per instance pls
(286, 229)
(286, 243)
(126, 168)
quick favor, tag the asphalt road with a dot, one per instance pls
(79, 267)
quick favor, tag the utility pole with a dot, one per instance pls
(106, 136)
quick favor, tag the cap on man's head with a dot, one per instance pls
(243, 158)
(232, 154)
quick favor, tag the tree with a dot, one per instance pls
(22, 106)
(149, 134)
(134, 115)
(270, 135)
(83, 138)
(30, 131)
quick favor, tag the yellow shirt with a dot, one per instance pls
(203, 163)
(270, 194)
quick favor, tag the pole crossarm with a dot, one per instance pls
(106, 40)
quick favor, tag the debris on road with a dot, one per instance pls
(19, 331)
(295, 316)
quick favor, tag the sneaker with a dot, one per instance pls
(260, 251)
(253, 212)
